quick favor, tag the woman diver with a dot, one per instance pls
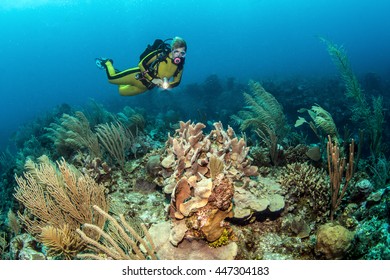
(162, 67)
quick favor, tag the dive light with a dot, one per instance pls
(165, 84)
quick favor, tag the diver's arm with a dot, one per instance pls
(176, 80)
(145, 63)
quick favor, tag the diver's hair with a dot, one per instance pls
(178, 42)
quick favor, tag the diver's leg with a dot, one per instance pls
(119, 78)
(110, 70)
(128, 84)
(129, 90)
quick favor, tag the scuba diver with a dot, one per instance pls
(160, 65)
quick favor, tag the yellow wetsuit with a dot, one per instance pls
(146, 71)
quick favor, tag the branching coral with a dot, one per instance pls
(200, 171)
(115, 138)
(61, 241)
(99, 170)
(307, 185)
(61, 198)
(3, 243)
(370, 118)
(265, 115)
(190, 153)
(263, 110)
(120, 242)
(74, 133)
(337, 166)
(132, 119)
(13, 222)
(360, 109)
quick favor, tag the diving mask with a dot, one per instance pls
(178, 53)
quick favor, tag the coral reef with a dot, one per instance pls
(258, 199)
(367, 117)
(25, 247)
(204, 175)
(322, 122)
(122, 241)
(264, 114)
(308, 186)
(333, 241)
(200, 190)
(73, 133)
(202, 170)
(188, 250)
(57, 201)
(100, 171)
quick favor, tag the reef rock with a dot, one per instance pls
(24, 247)
(333, 241)
(188, 249)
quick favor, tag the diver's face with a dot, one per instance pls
(179, 52)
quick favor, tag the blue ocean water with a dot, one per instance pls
(48, 48)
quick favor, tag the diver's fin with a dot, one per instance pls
(100, 62)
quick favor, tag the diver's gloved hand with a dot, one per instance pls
(157, 82)
(162, 83)
(101, 62)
